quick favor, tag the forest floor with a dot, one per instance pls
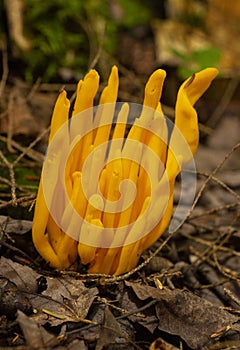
(185, 291)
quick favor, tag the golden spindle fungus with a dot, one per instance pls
(109, 196)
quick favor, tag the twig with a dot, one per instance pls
(56, 87)
(199, 225)
(100, 47)
(17, 201)
(5, 69)
(232, 296)
(37, 156)
(14, 10)
(10, 110)
(233, 275)
(218, 167)
(213, 247)
(214, 210)
(32, 144)
(17, 250)
(209, 243)
(12, 178)
(221, 183)
(140, 309)
(144, 307)
(33, 90)
(19, 187)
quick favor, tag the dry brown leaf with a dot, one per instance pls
(144, 292)
(192, 318)
(110, 330)
(36, 336)
(65, 298)
(187, 315)
(9, 225)
(12, 299)
(23, 276)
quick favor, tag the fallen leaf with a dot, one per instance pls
(65, 299)
(23, 276)
(186, 315)
(12, 299)
(76, 345)
(10, 225)
(144, 292)
(27, 114)
(110, 330)
(192, 318)
(36, 336)
(70, 289)
(146, 318)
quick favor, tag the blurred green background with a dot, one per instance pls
(63, 39)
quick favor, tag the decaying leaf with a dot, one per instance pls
(144, 292)
(60, 303)
(76, 344)
(36, 336)
(12, 299)
(10, 225)
(192, 318)
(65, 299)
(110, 330)
(23, 276)
(186, 315)
(146, 318)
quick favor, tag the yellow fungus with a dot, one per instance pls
(109, 195)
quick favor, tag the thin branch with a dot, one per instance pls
(5, 69)
(214, 210)
(209, 178)
(37, 156)
(12, 178)
(18, 201)
(222, 184)
(32, 144)
(10, 112)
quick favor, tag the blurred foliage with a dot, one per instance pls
(55, 35)
(68, 33)
(197, 60)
